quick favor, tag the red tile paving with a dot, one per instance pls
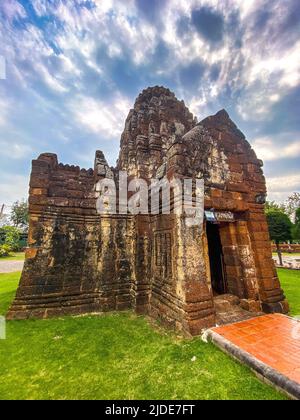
(272, 339)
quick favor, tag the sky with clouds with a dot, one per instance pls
(74, 68)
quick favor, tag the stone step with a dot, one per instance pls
(226, 303)
(230, 317)
(228, 310)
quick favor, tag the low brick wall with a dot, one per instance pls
(293, 249)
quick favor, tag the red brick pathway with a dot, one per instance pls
(272, 339)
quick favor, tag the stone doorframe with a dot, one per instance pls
(239, 264)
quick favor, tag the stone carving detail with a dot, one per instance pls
(206, 159)
(158, 117)
(101, 166)
(163, 254)
(261, 199)
(161, 172)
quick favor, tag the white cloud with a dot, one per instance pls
(101, 117)
(260, 73)
(281, 187)
(246, 7)
(50, 80)
(2, 68)
(286, 63)
(40, 7)
(14, 150)
(271, 65)
(12, 9)
(268, 149)
(4, 111)
(196, 105)
(13, 188)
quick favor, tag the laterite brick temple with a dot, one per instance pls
(81, 262)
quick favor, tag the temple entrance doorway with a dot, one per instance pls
(216, 258)
(226, 284)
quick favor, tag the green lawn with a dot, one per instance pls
(116, 356)
(17, 256)
(290, 282)
(8, 286)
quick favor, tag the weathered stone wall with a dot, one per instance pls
(81, 262)
(218, 152)
(77, 261)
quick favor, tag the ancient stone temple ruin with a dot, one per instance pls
(81, 262)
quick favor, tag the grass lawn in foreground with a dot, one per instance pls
(8, 287)
(115, 356)
(16, 256)
(290, 282)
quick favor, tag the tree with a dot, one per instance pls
(280, 228)
(296, 228)
(4, 220)
(297, 217)
(19, 214)
(292, 204)
(10, 236)
(272, 205)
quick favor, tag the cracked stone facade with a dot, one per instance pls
(81, 262)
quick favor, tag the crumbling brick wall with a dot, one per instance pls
(79, 261)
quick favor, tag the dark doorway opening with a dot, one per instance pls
(217, 268)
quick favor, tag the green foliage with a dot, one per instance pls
(19, 214)
(114, 356)
(296, 228)
(297, 217)
(5, 250)
(296, 233)
(280, 226)
(290, 207)
(272, 205)
(10, 236)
